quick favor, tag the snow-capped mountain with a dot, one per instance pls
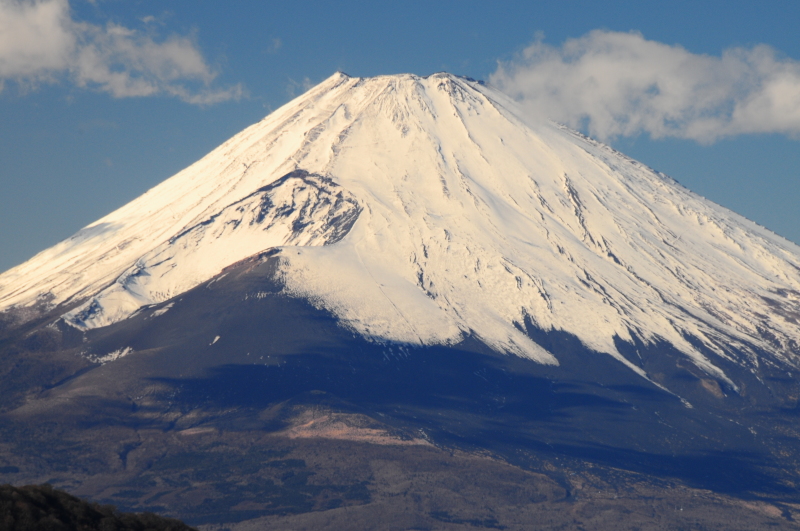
(421, 210)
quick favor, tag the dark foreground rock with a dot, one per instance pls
(41, 507)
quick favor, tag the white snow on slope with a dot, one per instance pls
(471, 220)
(298, 209)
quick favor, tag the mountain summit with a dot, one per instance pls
(424, 210)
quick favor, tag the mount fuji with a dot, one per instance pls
(406, 262)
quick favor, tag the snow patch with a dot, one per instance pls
(162, 311)
(111, 356)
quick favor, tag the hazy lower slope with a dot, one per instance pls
(428, 210)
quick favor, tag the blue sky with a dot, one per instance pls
(102, 100)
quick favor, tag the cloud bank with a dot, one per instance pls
(41, 43)
(614, 84)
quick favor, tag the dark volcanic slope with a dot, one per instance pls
(211, 407)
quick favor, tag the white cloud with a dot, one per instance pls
(35, 40)
(40, 42)
(620, 84)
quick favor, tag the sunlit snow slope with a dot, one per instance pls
(425, 209)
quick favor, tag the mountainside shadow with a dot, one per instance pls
(479, 401)
(238, 345)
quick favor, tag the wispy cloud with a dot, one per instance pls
(274, 46)
(293, 88)
(615, 84)
(40, 42)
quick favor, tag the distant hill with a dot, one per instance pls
(41, 507)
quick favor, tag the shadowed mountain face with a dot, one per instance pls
(396, 302)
